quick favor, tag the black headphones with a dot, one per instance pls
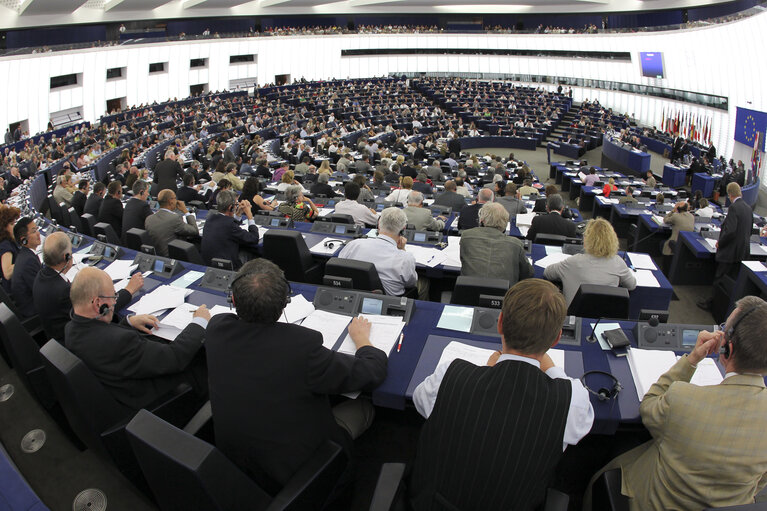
(332, 243)
(67, 257)
(104, 309)
(230, 289)
(603, 394)
(24, 241)
(730, 332)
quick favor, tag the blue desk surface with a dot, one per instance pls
(638, 162)
(674, 176)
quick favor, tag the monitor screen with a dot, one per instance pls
(689, 338)
(158, 266)
(340, 229)
(652, 64)
(108, 252)
(275, 222)
(379, 207)
(371, 306)
(419, 236)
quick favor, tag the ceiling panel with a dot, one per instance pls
(52, 6)
(137, 5)
(220, 4)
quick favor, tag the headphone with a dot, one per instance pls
(230, 289)
(730, 332)
(67, 257)
(603, 394)
(332, 243)
(104, 309)
(24, 241)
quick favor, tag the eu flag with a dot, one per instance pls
(747, 124)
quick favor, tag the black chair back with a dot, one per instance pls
(361, 274)
(184, 251)
(89, 224)
(288, 250)
(55, 210)
(594, 301)
(107, 230)
(556, 240)
(341, 218)
(66, 221)
(136, 237)
(468, 290)
(74, 220)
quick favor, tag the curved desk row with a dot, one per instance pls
(493, 141)
(615, 156)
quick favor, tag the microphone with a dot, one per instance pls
(592, 336)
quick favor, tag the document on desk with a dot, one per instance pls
(758, 249)
(550, 259)
(163, 297)
(755, 265)
(480, 356)
(169, 333)
(707, 373)
(645, 278)
(710, 244)
(525, 219)
(330, 325)
(221, 309)
(552, 249)
(120, 269)
(452, 252)
(187, 279)
(427, 256)
(647, 366)
(298, 308)
(326, 211)
(658, 219)
(321, 249)
(642, 261)
(181, 316)
(456, 318)
(384, 333)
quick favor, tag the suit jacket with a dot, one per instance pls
(424, 188)
(134, 215)
(51, 295)
(452, 200)
(222, 237)
(735, 237)
(627, 199)
(166, 173)
(78, 202)
(469, 217)
(268, 391)
(111, 212)
(679, 222)
(166, 226)
(322, 189)
(513, 205)
(551, 223)
(187, 194)
(422, 220)
(488, 252)
(708, 447)
(92, 205)
(135, 369)
(24, 272)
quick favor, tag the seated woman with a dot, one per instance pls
(400, 194)
(8, 246)
(600, 263)
(609, 187)
(298, 207)
(251, 191)
(288, 179)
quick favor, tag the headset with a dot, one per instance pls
(603, 394)
(24, 241)
(332, 243)
(730, 332)
(230, 289)
(67, 257)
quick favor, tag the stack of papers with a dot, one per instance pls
(550, 259)
(384, 333)
(525, 219)
(162, 298)
(452, 252)
(649, 365)
(330, 325)
(427, 256)
(298, 308)
(645, 278)
(642, 261)
(120, 269)
(480, 356)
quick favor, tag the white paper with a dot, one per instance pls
(558, 357)
(473, 354)
(384, 333)
(427, 256)
(326, 211)
(163, 297)
(181, 316)
(457, 318)
(711, 244)
(758, 249)
(320, 247)
(221, 309)
(523, 230)
(755, 265)
(298, 308)
(75, 269)
(169, 333)
(707, 373)
(120, 269)
(647, 366)
(601, 327)
(547, 261)
(552, 249)
(330, 325)
(658, 219)
(525, 219)
(642, 261)
(645, 278)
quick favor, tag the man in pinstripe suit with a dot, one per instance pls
(709, 446)
(495, 433)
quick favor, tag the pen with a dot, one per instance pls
(399, 344)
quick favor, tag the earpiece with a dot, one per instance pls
(729, 334)
(604, 393)
(67, 257)
(24, 241)
(104, 309)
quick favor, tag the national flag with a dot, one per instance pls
(663, 120)
(747, 124)
(756, 157)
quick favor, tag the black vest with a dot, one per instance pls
(493, 439)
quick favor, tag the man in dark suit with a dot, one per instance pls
(136, 209)
(454, 147)
(262, 170)
(136, 369)
(269, 421)
(167, 172)
(222, 236)
(470, 214)
(552, 222)
(26, 266)
(111, 209)
(734, 239)
(450, 198)
(460, 401)
(420, 185)
(93, 203)
(321, 187)
(51, 287)
(13, 180)
(188, 192)
(80, 196)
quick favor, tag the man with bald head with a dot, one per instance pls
(51, 288)
(136, 369)
(169, 223)
(450, 197)
(470, 214)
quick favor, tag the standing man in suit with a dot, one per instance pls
(419, 217)
(111, 209)
(552, 222)
(172, 221)
(136, 209)
(167, 172)
(734, 239)
(709, 447)
(460, 402)
(136, 369)
(222, 236)
(80, 196)
(93, 202)
(269, 422)
(470, 214)
(26, 266)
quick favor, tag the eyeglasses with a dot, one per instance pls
(113, 297)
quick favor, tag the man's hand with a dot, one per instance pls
(202, 312)
(136, 282)
(442, 217)
(401, 242)
(359, 331)
(708, 343)
(181, 206)
(546, 362)
(143, 322)
(246, 208)
(493, 358)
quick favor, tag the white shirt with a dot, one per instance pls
(396, 268)
(580, 416)
(399, 195)
(361, 213)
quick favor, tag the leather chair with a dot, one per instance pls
(288, 250)
(107, 230)
(64, 212)
(89, 224)
(187, 473)
(606, 492)
(341, 218)
(469, 290)
(350, 273)
(593, 301)
(75, 222)
(55, 210)
(184, 251)
(136, 237)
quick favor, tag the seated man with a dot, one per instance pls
(94, 200)
(395, 266)
(709, 446)
(419, 217)
(450, 197)
(111, 209)
(27, 265)
(222, 236)
(470, 214)
(487, 251)
(629, 197)
(269, 381)
(490, 415)
(421, 185)
(168, 223)
(362, 214)
(62, 191)
(511, 201)
(136, 369)
(81, 196)
(527, 188)
(650, 182)
(321, 187)
(552, 222)
(136, 209)
(190, 191)
(51, 287)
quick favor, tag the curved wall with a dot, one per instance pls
(722, 60)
